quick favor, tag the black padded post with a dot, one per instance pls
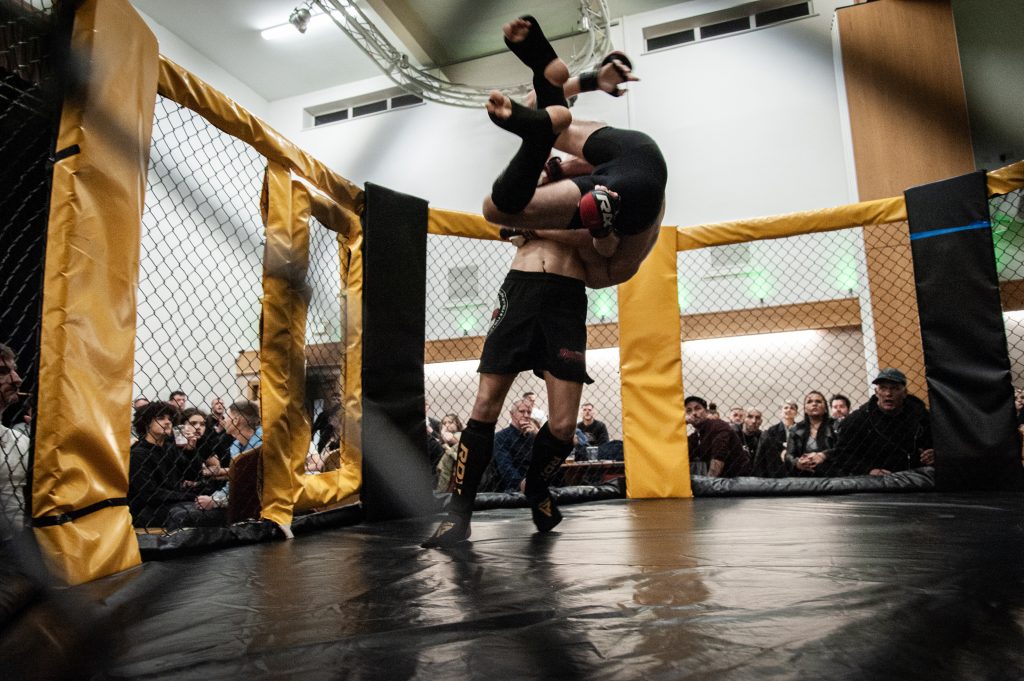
(966, 361)
(396, 471)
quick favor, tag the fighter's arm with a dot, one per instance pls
(609, 77)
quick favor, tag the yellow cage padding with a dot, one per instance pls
(286, 428)
(650, 361)
(89, 289)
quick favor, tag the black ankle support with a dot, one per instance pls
(536, 52)
(517, 184)
(548, 454)
(476, 447)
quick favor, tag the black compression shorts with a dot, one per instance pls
(540, 324)
(630, 164)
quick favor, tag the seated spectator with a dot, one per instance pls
(891, 432)
(326, 431)
(840, 408)
(15, 446)
(178, 400)
(450, 431)
(242, 422)
(807, 450)
(771, 450)
(736, 415)
(750, 432)
(204, 465)
(512, 447)
(596, 431)
(714, 442)
(712, 411)
(158, 491)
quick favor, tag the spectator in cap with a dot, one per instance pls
(892, 432)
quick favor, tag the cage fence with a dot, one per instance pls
(1007, 214)
(29, 112)
(198, 309)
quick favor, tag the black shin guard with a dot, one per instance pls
(476, 447)
(548, 454)
(536, 52)
(517, 184)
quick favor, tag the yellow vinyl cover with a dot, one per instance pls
(457, 223)
(1006, 179)
(334, 486)
(286, 427)
(90, 282)
(193, 93)
(650, 358)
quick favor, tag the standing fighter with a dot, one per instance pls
(540, 322)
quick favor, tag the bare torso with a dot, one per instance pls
(544, 255)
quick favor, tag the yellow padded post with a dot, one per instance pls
(650, 359)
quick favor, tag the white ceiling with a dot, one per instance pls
(436, 32)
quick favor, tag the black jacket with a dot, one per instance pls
(870, 438)
(155, 477)
(796, 446)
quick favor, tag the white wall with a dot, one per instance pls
(186, 56)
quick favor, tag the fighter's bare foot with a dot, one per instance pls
(500, 108)
(525, 38)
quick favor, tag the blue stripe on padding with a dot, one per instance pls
(983, 224)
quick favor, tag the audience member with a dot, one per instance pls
(891, 432)
(159, 494)
(596, 432)
(326, 430)
(512, 447)
(714, 443)
(242, 423)
(536, 412)
(769, 462)
(15, 445)
(736, 415)
(433, 425)
(178, 399)
(451, 431)
(840, 408)
(139, 402)
(750, 432)
(712, 411)
(204, 464)
(807, 450)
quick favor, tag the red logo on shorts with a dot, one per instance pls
(572, 356)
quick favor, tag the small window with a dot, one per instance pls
(775, 16)
(730, 259)
(671, 39)
(371, 108)
(724, 28)
(324, 119)
(405, 100)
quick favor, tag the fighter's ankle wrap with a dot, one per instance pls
(517, 184)
(597, 211)
(553, 168)
(548, 454)
(476, 447)
(589, 79)
(536, 52)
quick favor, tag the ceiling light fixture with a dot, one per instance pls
(350, 19)
(300, 17)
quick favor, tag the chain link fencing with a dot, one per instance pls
(29, 112)
(1007, 213)
(196, 385)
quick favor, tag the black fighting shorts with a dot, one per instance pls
(540, 324)
(630, 164)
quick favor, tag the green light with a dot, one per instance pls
(1004, 230)
(846, 274)
(467, 322)
(604, 304)
(760, 284)
(683, 296)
